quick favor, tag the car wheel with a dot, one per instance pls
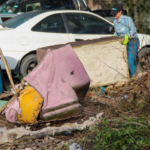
(28, 64)
(143, 60)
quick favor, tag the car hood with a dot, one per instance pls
(7, 15)
(144, 39)
(5, 29)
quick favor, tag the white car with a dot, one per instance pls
(22, 35)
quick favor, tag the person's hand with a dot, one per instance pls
(126, 40)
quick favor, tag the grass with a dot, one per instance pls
(117, 134)
(125, 124)
(127, 134)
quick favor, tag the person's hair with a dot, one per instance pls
(124, 12)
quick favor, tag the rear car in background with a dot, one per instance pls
(12, 8)
(7, 10)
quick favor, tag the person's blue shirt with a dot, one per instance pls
(125, 26)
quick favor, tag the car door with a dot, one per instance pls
(84, 26)
(49, 31)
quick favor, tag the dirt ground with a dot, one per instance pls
(122, 101)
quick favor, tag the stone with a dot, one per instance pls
(75, 146)
(21, 146)
(141, 103)
(109, 88)
(120, 84)
(57, 141)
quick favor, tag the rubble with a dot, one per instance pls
(118, 100)
(21, 134)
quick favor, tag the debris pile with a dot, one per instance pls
(126, 120)
(129, 96)
(122, 99)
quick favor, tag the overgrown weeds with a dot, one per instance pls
(122, 134)
(126, 122)
(147, 31)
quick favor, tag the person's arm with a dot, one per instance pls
(132, 28)
(115, 33)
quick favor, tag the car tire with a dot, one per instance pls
(28, 64)
(143, 60)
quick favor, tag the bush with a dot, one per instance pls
(147, 31)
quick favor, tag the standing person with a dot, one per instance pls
(124, 27)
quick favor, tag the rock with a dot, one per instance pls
(109, 88)
(91, 128)
(8, 148)
(70, 141)
(57, 141)
(29, 142)
(21, 146)
(60, 145)
(75, 146)
(142, 74)
(120, 84)
(141, 103)
(50, 148)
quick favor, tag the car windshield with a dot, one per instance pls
(20, 19)
(59, 4)
(9, 7)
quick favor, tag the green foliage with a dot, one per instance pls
(66, 147)
(131, 134)
(147, 31)
(18, 77)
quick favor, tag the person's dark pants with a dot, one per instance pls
(132, 51)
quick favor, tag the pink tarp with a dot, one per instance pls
(12, 110)
(56, 77)
(60, 79)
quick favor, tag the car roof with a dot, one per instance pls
(64, 11)
(71, 11)
(42, 12)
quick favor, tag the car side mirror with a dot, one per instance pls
(111, 29)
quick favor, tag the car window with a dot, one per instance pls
(30, 7)
(19, 20)
(59, 4)
(53, 24)
(9, 7)
(87, 24)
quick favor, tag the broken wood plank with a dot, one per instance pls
(6, 95)
(8, 71)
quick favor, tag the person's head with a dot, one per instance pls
(124, 12)
(90, 2)
(117, 10)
